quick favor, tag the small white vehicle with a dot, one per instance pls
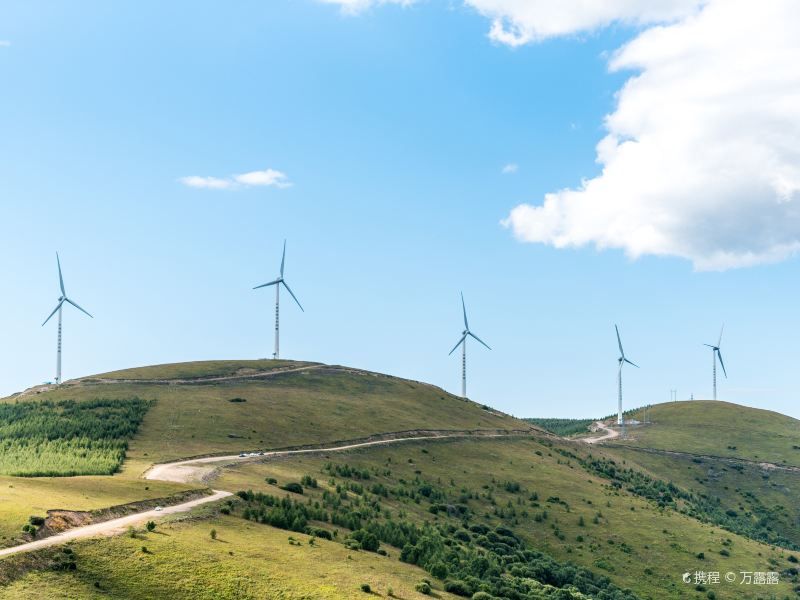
(242, 455)
(158, 508)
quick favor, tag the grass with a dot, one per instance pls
(67, 437)
(720, 429)
(246, 561)
(22, 497)
(306, 407)
(562, 427)
(648, 550)
(764, 499)
(200, 369)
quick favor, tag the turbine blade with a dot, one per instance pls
(464, 308)
(631, 363)
(267, 284)
(709, 345)
(719, 343)
(52, 313)
(619, 341)
(283, 258)
(719, 355)
(288, 289)
(60, 277)
(461, 341)
(78, 307)
(479, 339)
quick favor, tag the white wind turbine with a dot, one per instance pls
(463, 343)
(717, 354)
(622, 360)
(59, 309)
(277, 283)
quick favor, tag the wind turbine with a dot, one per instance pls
(716, 353)
(277, 283)
(622, 360)
(58, 309)
(463, 343)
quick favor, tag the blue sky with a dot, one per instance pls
(393, 127)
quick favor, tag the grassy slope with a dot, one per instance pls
(22, 497)
(246, 562)
(664, 542)
(307, 407)
(709, 427)
(746, 489)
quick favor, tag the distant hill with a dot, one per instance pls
(229, 406)
(720, 429)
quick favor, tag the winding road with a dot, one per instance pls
(198, 469)
(610, 434)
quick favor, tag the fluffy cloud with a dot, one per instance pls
(4, 43)
(702, 154)
(267, 177)
(518, 22)
(701, 157)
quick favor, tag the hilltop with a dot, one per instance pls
(721, 429)
(217, 407)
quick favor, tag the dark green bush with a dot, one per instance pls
(293, 487)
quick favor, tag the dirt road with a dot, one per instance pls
(185, 471)
(113, 526)
(610, 434)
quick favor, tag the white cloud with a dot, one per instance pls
(357, 6)
(702, 155)
(214, 183)
(267, 177)
(518, 22)
(4, 43)
(510, 169)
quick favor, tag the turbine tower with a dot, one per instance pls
(463, 343)
(622, 360)
(59, 309)
(716, 353)
(277, 283)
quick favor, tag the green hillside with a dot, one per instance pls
(270, 404)
(720, 429)
(526, 516)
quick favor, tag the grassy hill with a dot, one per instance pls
(720, 429)
(523, 517)
(271, 404)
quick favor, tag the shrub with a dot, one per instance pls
(439, 570)
(482, 596)
(293, 487)
(151, 525)
(237, 400)
(365, 587)
(423, 587)
(701, 555)
(792, 558)
(308, 481)
(271, 481)
(724, 552)
(458, 587)
(321, 533)
(213, 534)
(367, 540)
(37, 521)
